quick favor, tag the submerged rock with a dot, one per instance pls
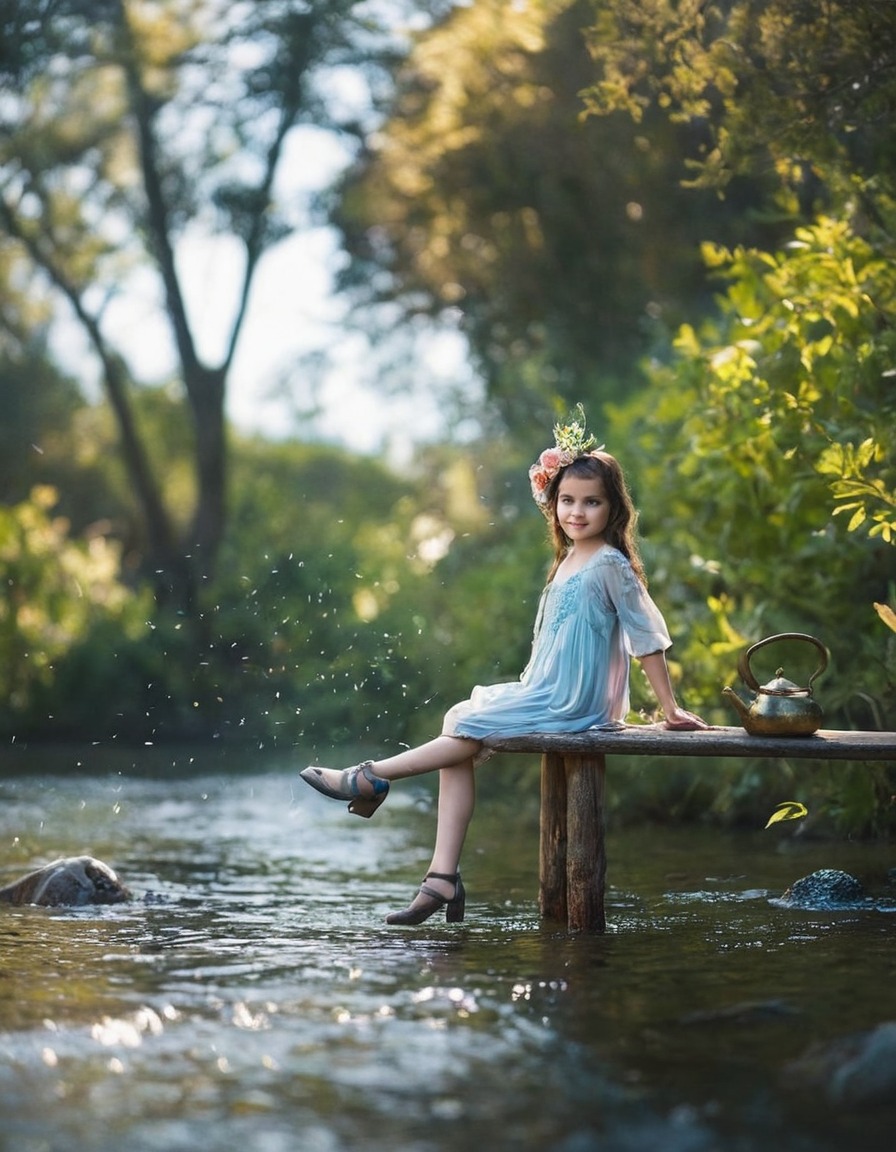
(73, 880)
(744, 1012)
(826, 888)
(855, 1071)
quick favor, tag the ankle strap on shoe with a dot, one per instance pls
(380, 785)
(455, 876)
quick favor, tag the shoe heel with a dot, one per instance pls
(366, 805)
(455, 909)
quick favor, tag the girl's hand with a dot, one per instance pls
(680, 720)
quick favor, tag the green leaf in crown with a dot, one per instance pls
(572, 436)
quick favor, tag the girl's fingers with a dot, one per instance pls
(685, 720)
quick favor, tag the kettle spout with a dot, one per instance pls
(741, 707)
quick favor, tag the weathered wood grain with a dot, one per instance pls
(654, 740)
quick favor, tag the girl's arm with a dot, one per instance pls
(657, 672)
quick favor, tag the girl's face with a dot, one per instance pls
(583, 509)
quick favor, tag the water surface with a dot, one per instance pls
(252, 995)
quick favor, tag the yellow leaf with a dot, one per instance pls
(886, 614)
(789, 810)
(857, 518)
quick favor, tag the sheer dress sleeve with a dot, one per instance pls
(618, 595)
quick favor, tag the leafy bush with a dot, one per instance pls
(767, 424)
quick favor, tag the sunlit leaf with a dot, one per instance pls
(856, 520)
(789, 810)
(886, 614)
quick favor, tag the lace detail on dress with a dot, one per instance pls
(559, 603)
(616, 560)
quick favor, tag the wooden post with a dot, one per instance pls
(573, 861)
(552, 844)
(586, 854)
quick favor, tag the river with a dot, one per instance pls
(251, 997)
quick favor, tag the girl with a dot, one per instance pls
(594, 615)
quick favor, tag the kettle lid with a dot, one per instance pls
(781, 686)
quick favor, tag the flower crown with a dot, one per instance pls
(570, 442)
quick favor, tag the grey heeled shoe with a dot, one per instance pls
(454, 905)
(359, 805)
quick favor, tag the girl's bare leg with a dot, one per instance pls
(457, 798)
(445, 752)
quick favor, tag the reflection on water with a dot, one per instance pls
(253, 994)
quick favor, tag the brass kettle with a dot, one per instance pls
(779, 708)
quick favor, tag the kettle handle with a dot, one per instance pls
(746, 672)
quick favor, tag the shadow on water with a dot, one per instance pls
(252, 994)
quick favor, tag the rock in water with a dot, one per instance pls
(826, 888)
(74, 880)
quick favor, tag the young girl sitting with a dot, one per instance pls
(594, 615)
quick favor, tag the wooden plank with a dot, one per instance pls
(586, 854)
(552, 840)
(654, 740)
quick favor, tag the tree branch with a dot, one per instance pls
(158, 223)
(254, 241)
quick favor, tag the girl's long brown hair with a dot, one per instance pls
(620, 530)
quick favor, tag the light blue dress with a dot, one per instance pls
(587, 629)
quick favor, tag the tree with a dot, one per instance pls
(805, 337)
(128, 127)
(564, 247)
(770, 418)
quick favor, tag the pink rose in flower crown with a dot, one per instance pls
(552, 459)
(539, 480)
(545, 469)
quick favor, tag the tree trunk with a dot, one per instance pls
(206, 389)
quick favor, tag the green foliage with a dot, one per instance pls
(735, 447)
(766, 467)
(38, 405)
(57, 590)
(750, 416)
(805, 89)
(310, 633)
(857, 490)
